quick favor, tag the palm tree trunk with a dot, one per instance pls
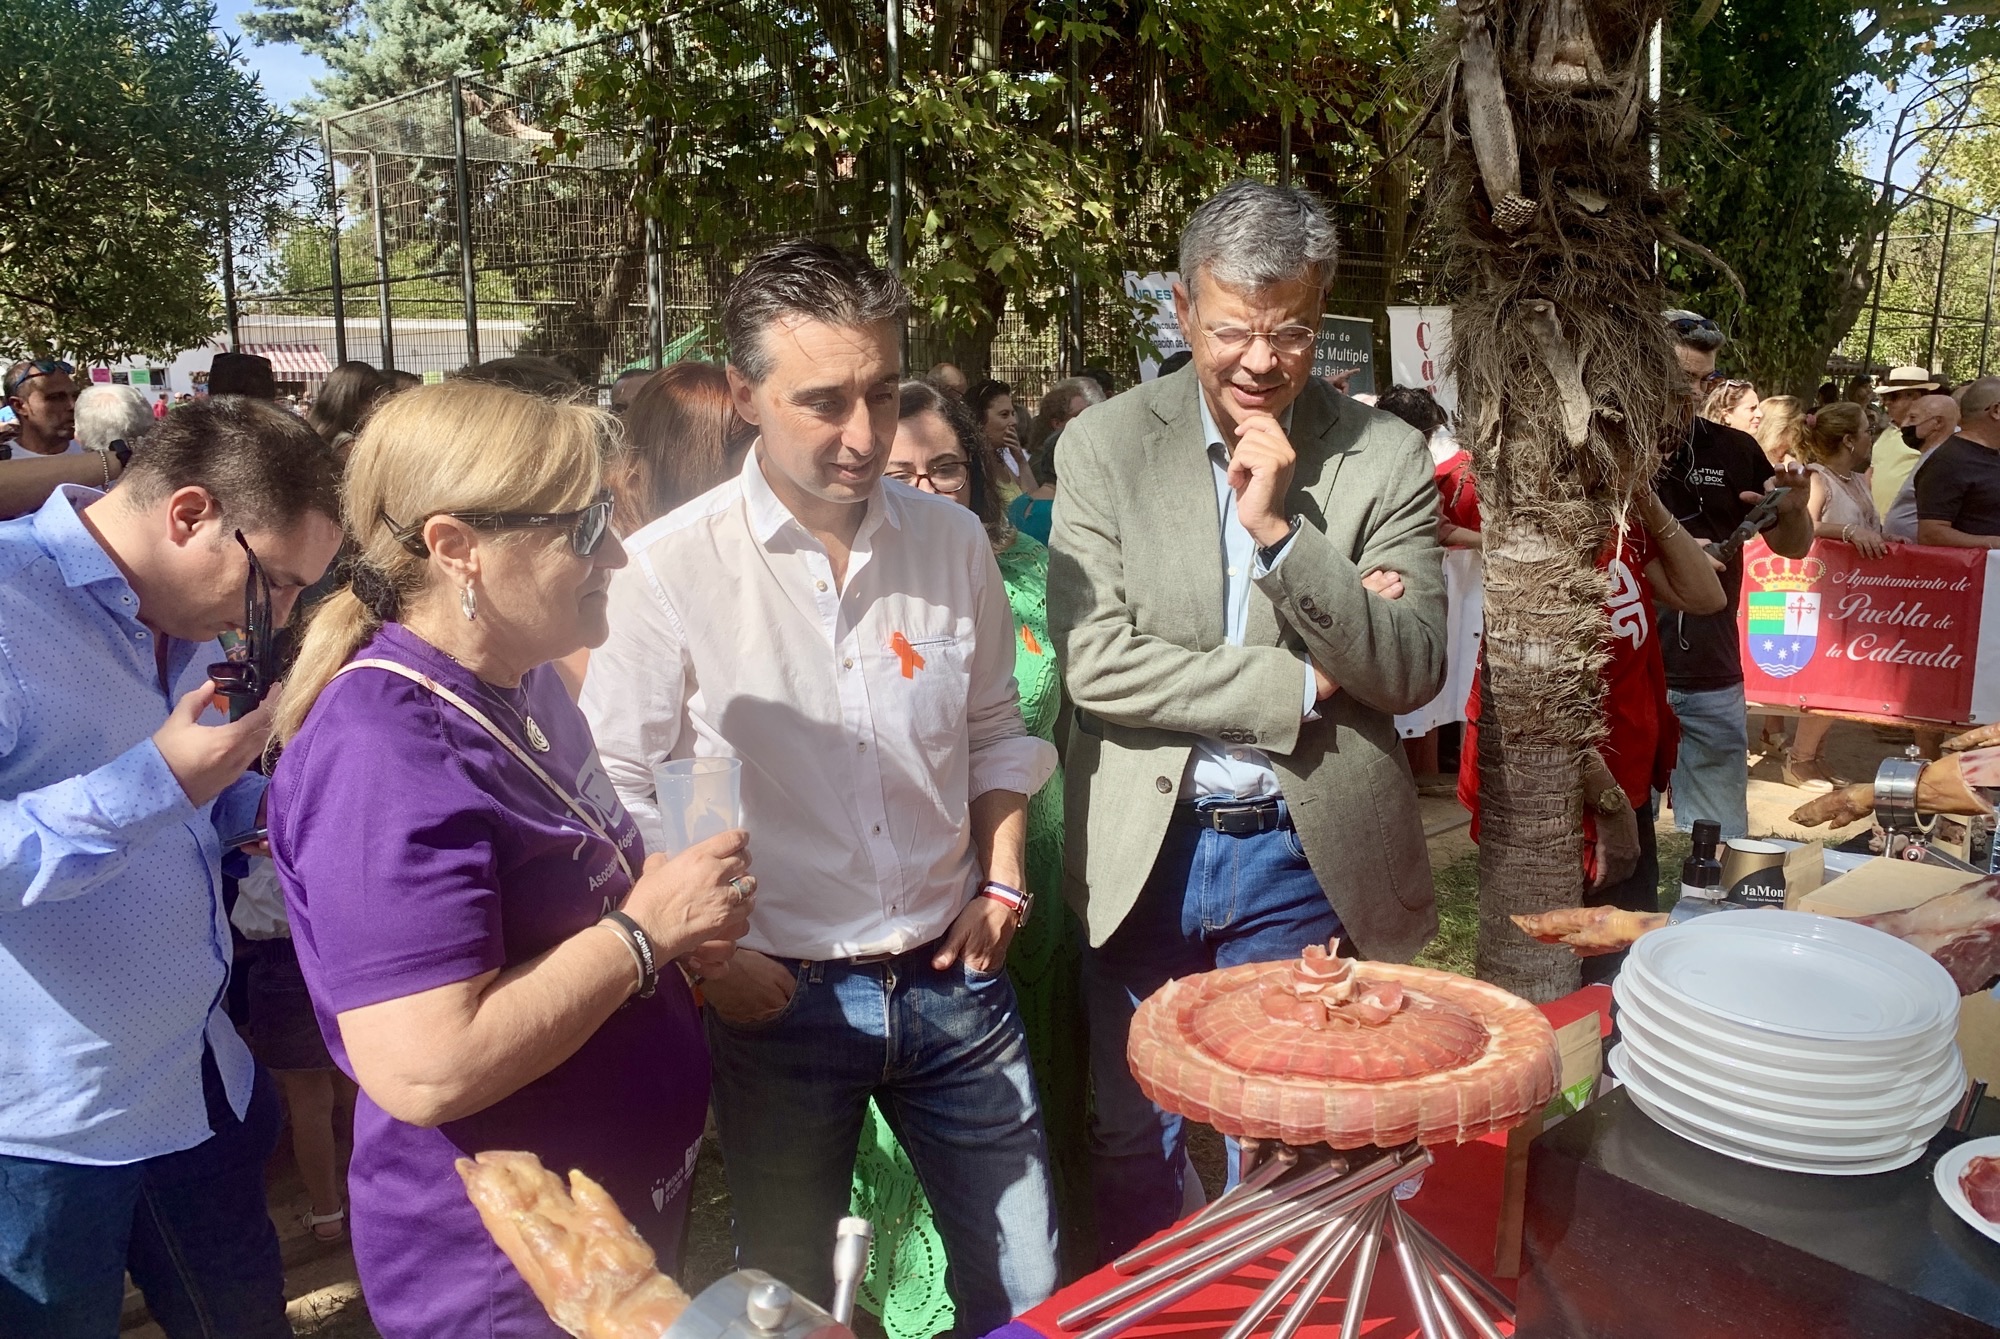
(1566, 382)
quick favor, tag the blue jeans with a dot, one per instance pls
(192, 1227)
(1712, 772)
(944, 1056)
(1211, 901)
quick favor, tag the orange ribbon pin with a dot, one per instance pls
(912, 662)
(1028, 640)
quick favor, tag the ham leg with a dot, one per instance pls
(1961, 929)
(592, 1271)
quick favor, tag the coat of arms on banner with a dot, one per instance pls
(1783, 613)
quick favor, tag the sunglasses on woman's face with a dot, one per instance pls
(587, 526)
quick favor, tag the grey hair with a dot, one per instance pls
(107, 413)
(1250, 235)
(807, 279)
(1056, 399)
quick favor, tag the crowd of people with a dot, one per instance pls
(902, 987)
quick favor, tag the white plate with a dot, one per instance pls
(1801, 976)
(1751, 1117)
(1951, 1166)
(1736, 1070)
(1886, 1102)
(1853, 1050)
(1636, 992)
(1762, 1159)
(1693, 1112)
(1781, 1094)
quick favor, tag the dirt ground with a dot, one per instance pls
(326, 1302)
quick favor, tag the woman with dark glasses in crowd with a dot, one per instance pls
(490, 954)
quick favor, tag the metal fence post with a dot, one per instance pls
(384, 313)
(656, 277)
(893, 22)
(1075, 99)
(1285, 131)
(893, 17)
(462, 187)
(1986, 321)
(1937, 295)
(333, 251)
(229, 315)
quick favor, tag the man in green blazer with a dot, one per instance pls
(1245, 586)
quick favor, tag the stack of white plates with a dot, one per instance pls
(1790, 1040)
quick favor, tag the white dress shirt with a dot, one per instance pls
(867, 718)
(1217, 769)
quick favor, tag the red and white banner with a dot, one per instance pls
(1900, 636)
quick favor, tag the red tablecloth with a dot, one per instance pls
(1460, 1202)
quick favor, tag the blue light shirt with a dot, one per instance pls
(113, 945)
(1220, 770)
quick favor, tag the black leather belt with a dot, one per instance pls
(874, 959)
(1235, 820)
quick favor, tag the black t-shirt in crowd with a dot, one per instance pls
(1960, 484)
(1701, 485)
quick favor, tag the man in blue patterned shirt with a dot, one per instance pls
(133, 1123)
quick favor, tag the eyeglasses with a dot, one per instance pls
(245, 678)
(1722, 383)
(587, 526)
(1288, 340)
(946, 476)
(1687, 325)
(40, 367)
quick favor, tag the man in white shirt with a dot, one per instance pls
(850, 642)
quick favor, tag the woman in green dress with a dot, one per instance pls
(937, 450)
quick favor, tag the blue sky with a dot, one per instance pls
(286, 72)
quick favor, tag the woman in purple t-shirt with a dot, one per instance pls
(459, 871)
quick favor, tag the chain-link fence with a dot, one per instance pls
(1931, 303)
(487, 215)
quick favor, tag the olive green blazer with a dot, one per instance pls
(1136, 611)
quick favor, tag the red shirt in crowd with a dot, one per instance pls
(1457, 498)
(1641, 734)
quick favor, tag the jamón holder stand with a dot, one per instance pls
(1328, 1208)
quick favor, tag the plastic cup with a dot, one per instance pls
(698, 798)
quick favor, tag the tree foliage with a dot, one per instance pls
(376, 49)
(128, 123)
(1772, 93)
(774, 118)
(1774, 90)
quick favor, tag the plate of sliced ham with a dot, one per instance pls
(1968, 1178)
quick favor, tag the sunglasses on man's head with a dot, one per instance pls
(40, 367)
(1687, 325)
(587, 526)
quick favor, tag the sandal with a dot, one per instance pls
(1807, 774)
(327, 1228)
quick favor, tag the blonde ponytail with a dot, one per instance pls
(459, 446)
(340, 626)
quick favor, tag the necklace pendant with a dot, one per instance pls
(537, 741)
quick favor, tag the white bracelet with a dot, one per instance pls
(631, 946)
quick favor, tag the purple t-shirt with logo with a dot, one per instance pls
(415, 851)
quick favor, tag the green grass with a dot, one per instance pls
(1457, 887)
